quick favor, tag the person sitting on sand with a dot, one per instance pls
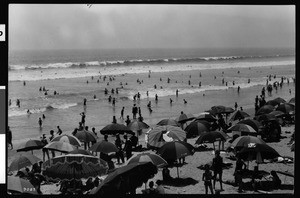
(159, 188)
(207, 177)
(272, 182)
(166, 174)
(151, 189)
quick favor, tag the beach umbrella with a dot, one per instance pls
(86, 136)
(265, 109)
(266, 117)
(182, 118)
(221, 109)
(159, 135)
(137, 125)
(280, 100)
(22, 161)
(123, 179)
(174, 150)
(243, 141)
(30, 145)
(257, 152)
(286, 108)
(104, 147)
(63, 147)
(67, 138)
(245, 128)
(238, 115)
(195, 128)
(273, 103)
(81, 151)
(206, 116)
(277, 113)
(251, 122)
(211, 137)
(148, 157)
(115, 128)
(170, 122)
(292, 100)
(19, 185)
(74, 166)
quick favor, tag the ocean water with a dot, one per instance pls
(68, 71)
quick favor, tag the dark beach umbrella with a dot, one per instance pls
(242, 128)
(280, 100)
(253, 123)
(19, 185)
(160, 135)
(125, 178)
(137, 125)
(292, 100)
(273, 103)
(148, 157)
(277, 113)
(243, 141)
(22, 161)
(266, 117)
(221, 109)
(286, 108)
(182, 118)
(67, 138)
(30, 145)
(174, 150)
(237, 115)
(170, 122)
(195, 128)
(211, 137)
(74, 166)
(86, 136)
(63, 147)
(104, 147)
(257, 152)
(206, 116)
(116, 128)
(81, 151)
(265, 109)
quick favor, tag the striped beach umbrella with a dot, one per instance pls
(242, 128)
(115, 128)
(67, 138)
(104, 147)
(237, 115)
(211, 137)
(280, 100)
(137, 125)
(22, 161)
(81, 151)
(251, 122)
(74, 166)
(19, 185)
(148, 157)
(63, 147)
(159, 135)
(243, 141)
(206, 116)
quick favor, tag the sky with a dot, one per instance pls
(78, 26)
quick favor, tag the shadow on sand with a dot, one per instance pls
(180, 182)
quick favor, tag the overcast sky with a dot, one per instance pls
(150, 26)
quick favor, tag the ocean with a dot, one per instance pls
(79, 74)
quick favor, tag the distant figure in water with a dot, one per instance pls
(147, 93)
(176, 92)
(87, 82)
(171, 101)
(235, 105)
(24, 83)
(249, 80)
(156, 98)
(95, 97)
(238, 72)
(241, 108)
(290, 91)
(40, 122)
(59, 131)
(114, 120)
(44, 116)
(122, 113)
(200, 84)
(238, 89)
(54, 93)
(233, 83)
(28, 112)
(18, 103)
(200, 75)
(154, 86)
(184, 101)
(84, 101)
(189, 82)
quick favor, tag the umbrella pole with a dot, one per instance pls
(214, 146)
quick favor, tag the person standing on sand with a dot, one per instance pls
(127, 120)
(122, 113)
(18, 103)
(45, 150)
(156, 98)
(207, 177)
(50, 139)
(82, 119)
(128, 147)
(40, 122)
(235, 105)
(119, 153)
(9, 138)
(84, 101)
(59, 131)
(217, 165)
(176, 92)
(134, 111)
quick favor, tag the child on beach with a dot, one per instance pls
(207, 177)
(40, 122)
